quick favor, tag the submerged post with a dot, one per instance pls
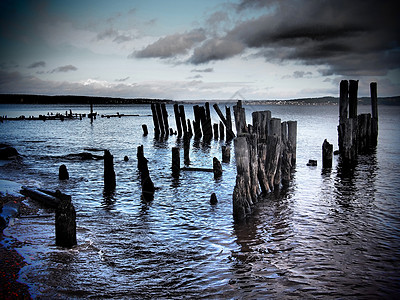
(217, 168)
(65, 222)
(63, 173)
(327, 154)
(109, 174)
(176, 165)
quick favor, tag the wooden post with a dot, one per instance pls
(217, 168)
(229, 133)
(363, 132)
(241, 197)
(225, 121)
(216, 131)
(253, 152)
(197, 122)
(374, 117)
(63, 173)
(65, 223)
(186, 150)
(160, 119)
(221, 131)
(353, 90)
(176, 167)
(178, 120)
(213, 199)
(327, 154)
(147, 184)
(226, 154)
(292, 137)
(155, 120)
(273, 152)
(240, 118)
(286, 155)
(349, 146)
(183, 120)
(343, 111)
(109, 174)
(145, 131)
(165, 118)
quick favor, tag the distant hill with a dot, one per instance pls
(43, 99)
(325, 101)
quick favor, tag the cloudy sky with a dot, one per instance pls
(191, 49)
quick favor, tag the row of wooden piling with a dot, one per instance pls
(202, 123)
(265, 154)
(357, 134)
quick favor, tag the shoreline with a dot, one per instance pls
(11, 262)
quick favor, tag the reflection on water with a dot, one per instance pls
(331, 234)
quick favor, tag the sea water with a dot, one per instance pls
(331, 234)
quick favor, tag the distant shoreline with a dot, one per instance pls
(69, 99)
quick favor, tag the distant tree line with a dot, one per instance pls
(44, 99)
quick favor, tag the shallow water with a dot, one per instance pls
(331, 234)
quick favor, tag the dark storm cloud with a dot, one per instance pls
(350, 37)
(37, 64)
(64, 69)
(216, 49)
(172, 45)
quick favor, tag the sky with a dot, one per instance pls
(200, 50)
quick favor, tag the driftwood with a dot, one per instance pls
(45, 198)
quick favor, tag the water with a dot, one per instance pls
(329, 235)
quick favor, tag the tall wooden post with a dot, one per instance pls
(353, 90)
(273, 152)
(178, 120)
(292, 137)
(197, 122)
(240, 118)
(155, 120)
(109, 174)
(160, 119)
(226, 154)
(374, 115)
(221, 131)
(286, 155)
(165, 118)
(186, 150)
(241, 194)
(176, 166)
(183, 120)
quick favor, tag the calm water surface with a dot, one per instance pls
(333, 234)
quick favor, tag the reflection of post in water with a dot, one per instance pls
(356, 184)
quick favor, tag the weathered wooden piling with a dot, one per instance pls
(374, 114)
(221, 131)
(273, 153)
(183, 120)
(160, 119)
(197, 122)
(145, 131)
(165, 118)
(186, 150)
(217, 168)
(241, 194)
(216, 131)
(286, 155)
(109, 174)
(292, 137)
(63, 173)
(178, 120)
(65, 222)
(240, 118)
(327, 154)
(356, 133)
(147, 184)
(226, 154)
(227, 121)
(155, 121)
(176, 166)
